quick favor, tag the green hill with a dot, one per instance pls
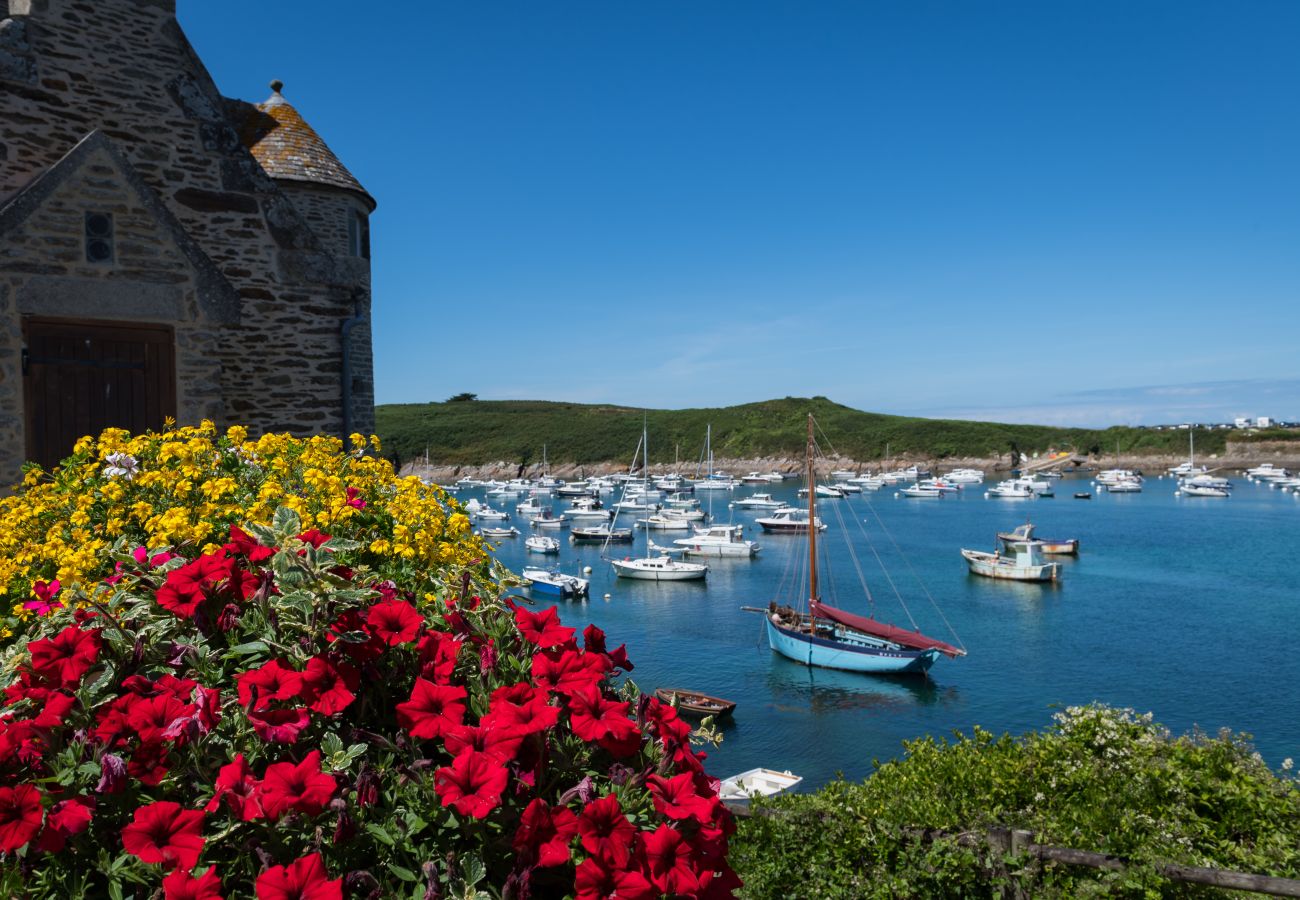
(473, 432)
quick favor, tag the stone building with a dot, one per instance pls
(165, 250)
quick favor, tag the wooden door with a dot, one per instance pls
(80, 377)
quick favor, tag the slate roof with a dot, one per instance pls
(288, 148)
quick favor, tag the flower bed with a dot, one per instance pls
(315, 702)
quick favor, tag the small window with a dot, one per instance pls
(358, 235)
(99, 237)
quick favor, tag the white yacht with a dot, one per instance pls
(758, 501)
(540, 543)
(965, 476)
(658, 568)
(718, 540)
(789, 519)
(1009, 490)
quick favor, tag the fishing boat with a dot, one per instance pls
(758, 501)
(601, 534)
(832, 638)
(499, 533)
(718, 540)
(540, 543)
(530, 507)
(1049, 546)
(789, 519)
(1267, 472)
(756, 782)
(1021, 561)
(554, 583)
(695, 702)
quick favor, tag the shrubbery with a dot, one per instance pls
(308, 684)
(1099, 779)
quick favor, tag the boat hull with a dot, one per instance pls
(827, 654)
(657, 574)
(990, 566)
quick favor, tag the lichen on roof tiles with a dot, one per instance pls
(288, 148)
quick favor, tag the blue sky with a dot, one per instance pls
(1063, 212)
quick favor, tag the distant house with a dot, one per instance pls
(165, 250)
(1264, 422)
(1241, 422)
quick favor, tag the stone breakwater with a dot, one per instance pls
(1237, 457)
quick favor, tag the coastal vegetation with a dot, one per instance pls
(273, 668)
(1099, 779)
(486, 431)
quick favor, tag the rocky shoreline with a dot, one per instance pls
(1237, 458)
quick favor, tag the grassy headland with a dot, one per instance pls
(475, 432)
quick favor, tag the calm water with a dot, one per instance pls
(1184, 607)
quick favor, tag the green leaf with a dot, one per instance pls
(286, 522)
(473, 869)
(402, 873)
(115, 890)
(331, 744)
(380, 834)
(248, 649)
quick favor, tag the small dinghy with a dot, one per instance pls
(555, 584)
(1083, 495)
(696, 703)
(756, 782)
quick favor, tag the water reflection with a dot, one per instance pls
(795, 687)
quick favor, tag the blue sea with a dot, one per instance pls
(1182, 607)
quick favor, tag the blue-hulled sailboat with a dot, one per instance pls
(831, 638)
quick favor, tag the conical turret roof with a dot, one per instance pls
(288, 148)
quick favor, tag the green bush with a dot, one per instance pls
(1098, 779)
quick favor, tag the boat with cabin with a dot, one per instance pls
(758, 501)
(1049, 546)
(789, 519)
(540, 543)
(718, 540)
(554, 583)
(1016, 560)
(600, 534)
(497, 534)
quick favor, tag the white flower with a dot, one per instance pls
(1287, 764)
(122, 464)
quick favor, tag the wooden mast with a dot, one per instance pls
(812, 527)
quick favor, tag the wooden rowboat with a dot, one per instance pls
(695, 702)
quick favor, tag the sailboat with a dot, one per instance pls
(1188, 469)
(650, 567)
(832, 638)
(712, 482)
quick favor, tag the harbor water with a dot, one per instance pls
(1183, 607)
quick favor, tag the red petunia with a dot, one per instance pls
(394, 621)
(302, 879)
(164, 832)
(45, 601)
(438, 654)
(20, 816)
(545, 831)
(677, 798)
(593, 641)
(149, 763)
(596, 880)
(595, 718)
(241, 791)
(66, 819)
(432, 709)
(54, 707)
(543, 628)
(181, 885)
(243, 544)
(314, 536)
(187, 587)
(522, 707)
(606, 831)
(348, 632)
(149, 717)
(498, 741)
(270, 681)
(280, 726)
(472, 784)
(329, 687)
(668, 860)
(67, 656)
(566, 671)
(302, 787)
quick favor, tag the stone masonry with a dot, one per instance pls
(232, 223)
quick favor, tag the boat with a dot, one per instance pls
(758, 501)
(1010, 490)
(843, 475)
(921, 490)
(695, 702)
(718, 540)
(868, 482)
(601, 534)
(832, 638)
(756, 782)
(1187, 489)
(1049, 546)
(540, 543)
(713, 481)
(1082, 495)
(789, 518)
(531, 506)
(664, 523)
(1021, 561)
(1125, 486)
(754, 478)
(824, 490)
(1112, 476)
(1267, 472)
(554, 583)
(498, 533)
(658, 568)
(496, 515)
(548, 520)
(965, 476)
(576, 489)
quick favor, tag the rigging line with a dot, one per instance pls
(853, 555)
(884, 570)
(613, 521)
(917, 576)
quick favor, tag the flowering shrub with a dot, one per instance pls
(183, 488)
(267, 714)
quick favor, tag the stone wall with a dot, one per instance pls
(124, 68)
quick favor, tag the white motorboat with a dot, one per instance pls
(530, 507)
(868, 482)
(1009, 490)
(658, 568)
(540, 543)
(1267, 472)
(548, 521)
(1208, 480)
(487, 513)
(635, 504)
(554, 583)
(848, 487)
(1187, 470)
(1039, 487)
(843, 475)
(824, 490)
(921, 491)
(664, 523)
(499, 533)
(789, 519)
(965, 476)
(681, 500)
(1187, 489)
(754, 478)
(576, 489)
(1023, 561)
(718, 540)
(942, 485)
(758, 501)
(1125, 486)
(756, 783)
(1110, 476)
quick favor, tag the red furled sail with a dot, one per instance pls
(913, 639)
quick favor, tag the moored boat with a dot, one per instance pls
(696, 702)
(756, 782)
(1022, 561)
(718, 540)
(499, 533)
(758, 501)
(1048, 546)
(554, 583)
(601, 534)
(789, 519)
(658, 568)
(540, 543)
